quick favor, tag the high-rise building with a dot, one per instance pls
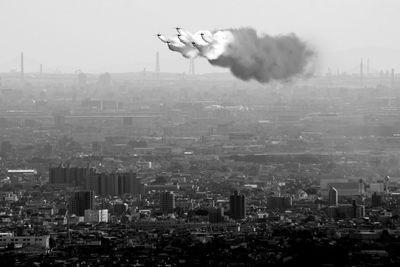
(237, 206)
(81, 201)
(346, 189)
(115, 184)
(74, 176)
(376, 200)
(167, 202)
(332, 197)
(346, 211)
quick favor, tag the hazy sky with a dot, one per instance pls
(117, 35)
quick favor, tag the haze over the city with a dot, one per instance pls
(118, 36)
(199, 133)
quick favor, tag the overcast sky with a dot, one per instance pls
(118, 35)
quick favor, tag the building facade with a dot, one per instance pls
(167, 202)
(237, 206)
(39, 241)
(332, 197)
(74, 176)
(96, 216)
(115, 184)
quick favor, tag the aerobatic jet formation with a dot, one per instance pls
(179, 44)
(200, 43)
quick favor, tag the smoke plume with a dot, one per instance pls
(264, 58)
(250, 56)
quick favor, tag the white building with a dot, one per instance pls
(40, 241)
(96, 215)
(10, 196)
(144, 164)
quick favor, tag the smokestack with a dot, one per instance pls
(361, 70)
(157, 63)
(22, 66)
(392, 79)
(367, 66)
(41, 69)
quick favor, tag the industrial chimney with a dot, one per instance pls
(22, 67)
(392, 79)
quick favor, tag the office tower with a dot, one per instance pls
(167, 202)
(237, 206)
(81, 201)
(332, 197)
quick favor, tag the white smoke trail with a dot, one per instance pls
(220, 40)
